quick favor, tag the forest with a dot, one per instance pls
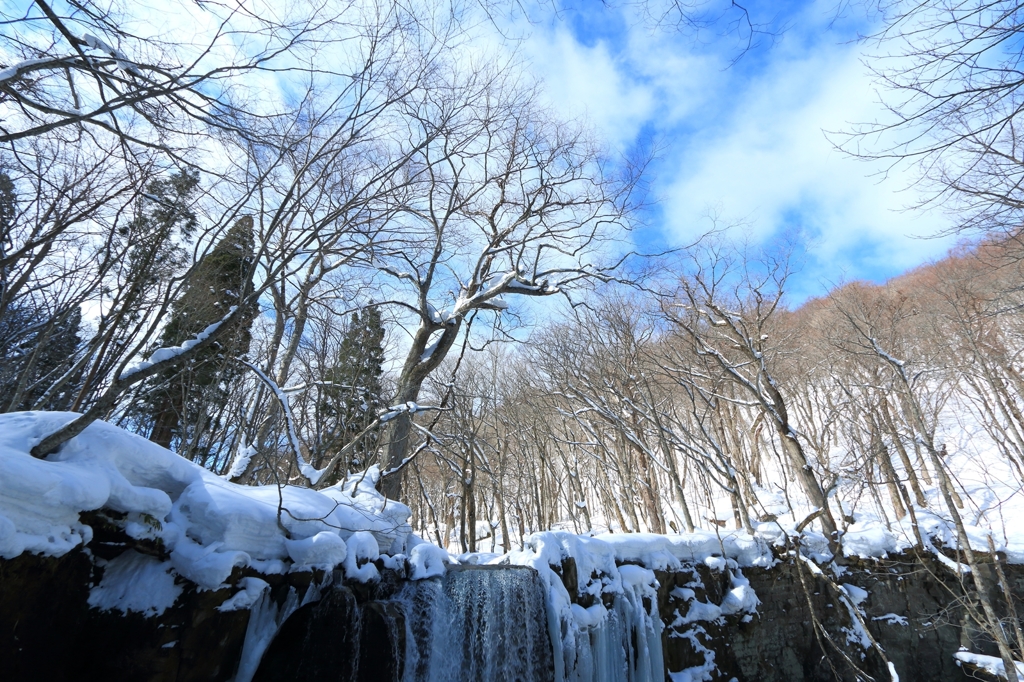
(292, 242)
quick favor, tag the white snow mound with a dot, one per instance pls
(208, 524)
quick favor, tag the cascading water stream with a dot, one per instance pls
(472, 624)
(477, 623)
(492, 623)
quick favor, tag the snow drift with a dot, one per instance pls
(206, 524)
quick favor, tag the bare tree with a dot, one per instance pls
(917, 399)
(726, 308)
(951, 86)
(320, 182)
(73, 65)
(502, 202)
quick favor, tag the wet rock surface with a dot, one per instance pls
(352, 634)
(49, 632)
(913, 610)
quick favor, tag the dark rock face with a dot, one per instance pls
(780, 643)
(49, 632)
(353, 634)
(358, 632)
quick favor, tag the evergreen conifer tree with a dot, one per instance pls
(181, 402)
(153, 251)
(8, 209)
(47, 346)
(37, 344)
(353, 393)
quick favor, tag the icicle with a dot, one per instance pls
(265, 620)
(620, 644)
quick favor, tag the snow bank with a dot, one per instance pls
(990, 664)
(323, 550)
(868, 539)
(427, 561)
(207, 524)
(669, 552)
(362, 550)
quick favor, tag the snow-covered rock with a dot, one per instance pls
(427, 561)
(136, 582)
(208, 524)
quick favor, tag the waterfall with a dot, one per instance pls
(473, 623)
(477, 623)
(491, 623)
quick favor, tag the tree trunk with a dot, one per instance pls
(419, 364)
(888, 471)
(808, 481)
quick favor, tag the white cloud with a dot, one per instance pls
(588, 82)
(751, 145)
(770, 163)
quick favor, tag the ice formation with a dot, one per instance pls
(611, 631)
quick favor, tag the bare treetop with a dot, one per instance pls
(950, 75)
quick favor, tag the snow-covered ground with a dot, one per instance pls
(210, 525)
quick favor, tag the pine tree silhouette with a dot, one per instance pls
(353, 394)
(181, 400)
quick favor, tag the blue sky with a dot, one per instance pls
(745, 142)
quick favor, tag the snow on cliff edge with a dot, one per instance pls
(208, 524)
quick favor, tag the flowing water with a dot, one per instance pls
(473, 624)
(478, 623)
